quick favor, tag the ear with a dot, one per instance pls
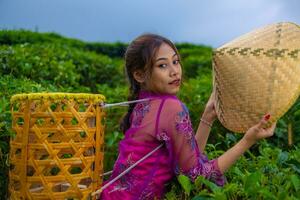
(139, 76)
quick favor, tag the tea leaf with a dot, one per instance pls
(185, 182)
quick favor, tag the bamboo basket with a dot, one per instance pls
(57, 151)
(256, 74)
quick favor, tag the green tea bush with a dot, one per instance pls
(272, 174)
(196, 60)
(14, 37)
(35, 62)
(113, 50)
(60, 65)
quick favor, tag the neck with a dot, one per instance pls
(150, 94)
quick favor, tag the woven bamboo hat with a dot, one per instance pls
(255, 74)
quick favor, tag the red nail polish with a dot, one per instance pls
(267, 117)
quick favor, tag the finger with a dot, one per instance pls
(262, 123)
(272, 128)
(270, 131)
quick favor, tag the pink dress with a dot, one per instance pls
(163, 119)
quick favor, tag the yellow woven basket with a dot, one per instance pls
(257, 73)
(57, 150)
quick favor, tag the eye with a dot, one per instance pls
(175, 62)
(162, 65)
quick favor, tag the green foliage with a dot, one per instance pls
(12, 37)
(267, 175)
(185, 183)
(292, 116)
(60, 65)
(196, 60)
(112, 50)
(35, 62)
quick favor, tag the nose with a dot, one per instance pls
(174, 69)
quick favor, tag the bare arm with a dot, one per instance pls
(254, 134)
(231, 155)
(209, 115)
(203, 132)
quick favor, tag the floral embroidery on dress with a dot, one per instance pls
(162, 136)
(126, 182)
(212, 172)
(148, 192)
(207, 170)
(139, 113)
(184, 126)
(193, 173)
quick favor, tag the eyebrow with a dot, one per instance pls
(165, 58)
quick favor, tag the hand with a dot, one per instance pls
(209, 113)
(258, 131)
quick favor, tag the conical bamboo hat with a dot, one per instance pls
(257, 73)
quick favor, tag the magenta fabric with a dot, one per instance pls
(163, 119)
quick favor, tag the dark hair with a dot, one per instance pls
(140, 55)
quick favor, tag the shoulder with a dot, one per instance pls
(175, 118)
(174, 105)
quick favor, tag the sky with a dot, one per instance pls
(208, 22)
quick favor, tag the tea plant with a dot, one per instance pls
(36, 62)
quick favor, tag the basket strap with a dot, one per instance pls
(127, 170)
(124, 103)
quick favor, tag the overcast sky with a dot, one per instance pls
(209, 22)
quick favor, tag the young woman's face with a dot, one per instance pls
(166, 72)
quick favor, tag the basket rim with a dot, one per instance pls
(96, 98)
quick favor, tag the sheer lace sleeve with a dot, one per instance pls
(176, 130)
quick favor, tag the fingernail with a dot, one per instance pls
(267, 117)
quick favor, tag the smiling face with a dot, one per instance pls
(165, 77)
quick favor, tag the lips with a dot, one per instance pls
(176, 82)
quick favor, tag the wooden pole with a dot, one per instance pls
(290, 134)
